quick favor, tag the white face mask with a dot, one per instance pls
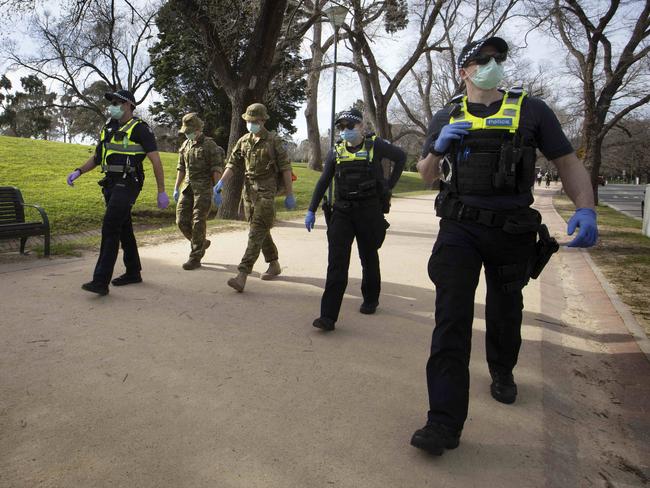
(253, 127)
(488, 76)
(116, 111)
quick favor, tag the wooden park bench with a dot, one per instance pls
(12, 219)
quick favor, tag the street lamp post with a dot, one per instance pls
(336, 15)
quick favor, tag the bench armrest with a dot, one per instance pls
(46, 221)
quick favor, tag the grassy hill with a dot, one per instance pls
(39, 169)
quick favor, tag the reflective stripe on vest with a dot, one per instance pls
(507, 118)
(125, 146)
(345, 156)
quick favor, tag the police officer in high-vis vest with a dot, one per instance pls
(483, 148)
(362, 193)
(124, 142)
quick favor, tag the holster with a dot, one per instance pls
(104, 182)
(545, 247)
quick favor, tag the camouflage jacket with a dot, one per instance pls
(199, 159)
(261, 160)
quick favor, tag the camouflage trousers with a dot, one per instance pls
(260, 213)
(191, 217)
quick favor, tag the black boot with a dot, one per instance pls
(435, 438)
(368, 308)
(503, 387)
(95, 287)
(324, 323)
(126, 279)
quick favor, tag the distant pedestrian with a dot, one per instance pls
(539, 179)
(548, 180)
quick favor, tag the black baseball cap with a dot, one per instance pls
(471, 50)
(125, 95)
(351, 115)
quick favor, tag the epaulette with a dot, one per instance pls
(456, 99)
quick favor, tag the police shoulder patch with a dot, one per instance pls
(499, 121)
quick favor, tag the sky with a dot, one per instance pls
(538, 49)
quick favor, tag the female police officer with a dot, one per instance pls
(488, 140)
(125, 140)
(361, 191)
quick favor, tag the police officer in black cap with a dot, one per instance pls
(124, 142)
(483, 147)
(362, 194)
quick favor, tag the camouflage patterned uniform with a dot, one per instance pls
(261, 160)
(199, 159)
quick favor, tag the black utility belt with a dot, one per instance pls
(514, 221)
(118, 168)
(347, 204)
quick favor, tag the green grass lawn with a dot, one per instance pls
(39, 169)
(623, 255)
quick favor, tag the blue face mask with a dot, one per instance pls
(350, 135)
(116, 111)
(190, 136)
(488, 76)
(253, 127)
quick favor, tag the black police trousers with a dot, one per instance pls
(364, 221)
(120, 194)
(460, 251)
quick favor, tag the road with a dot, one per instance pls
(180, 382)
(624, 198)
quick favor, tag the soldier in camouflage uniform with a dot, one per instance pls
(200, 164)
(262, 157)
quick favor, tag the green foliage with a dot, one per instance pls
(623, 255)
(29, 113)
(396, 16)
(179, 67)
(39, 170)
(183, 78)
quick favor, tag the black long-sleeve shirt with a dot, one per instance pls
(382, 149)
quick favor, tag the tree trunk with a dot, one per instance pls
(593, 158)
(311, 111)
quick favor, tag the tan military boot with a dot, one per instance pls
(273, 271)
(192, 264)
(239, 282)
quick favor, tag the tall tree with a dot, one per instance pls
(434, 80)
(608, 46)
(110, 46)
(378, 86)
(243, 43)
(29, 113)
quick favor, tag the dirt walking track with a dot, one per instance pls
(181, 382)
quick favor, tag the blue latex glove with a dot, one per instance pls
(163, 200)
(290, 201)
(585, 220)
(310, 220)
(216, 194)
(176, 195)
(73, 176)
(449, 133)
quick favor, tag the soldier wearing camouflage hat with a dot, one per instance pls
(200, 164)
(261, 155)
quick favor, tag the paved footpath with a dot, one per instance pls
(181, 382)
